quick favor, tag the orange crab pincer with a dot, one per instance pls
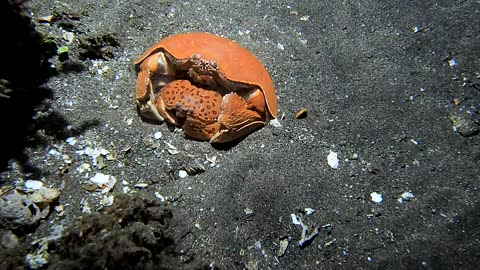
(210, 86)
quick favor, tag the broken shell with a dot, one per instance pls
(283, 247)
(141, 185)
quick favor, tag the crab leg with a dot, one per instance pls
(236, 119)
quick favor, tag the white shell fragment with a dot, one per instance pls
(452, 62)
(406, 196)
(332, 160)
(141, 185)
(182, 173)
(72, 141)
(172, 150)
(104, 181)
(83, 168)
(33, 184)
(304, 18)
(305, 238)
(376, 197)
(86, 207)
(309, 211)
(157, 135)
(275, 123)
(94, 153)
(107, 201)
(54, 152)
(295, 220)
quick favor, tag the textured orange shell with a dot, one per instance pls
(234, 61)
(181, 94)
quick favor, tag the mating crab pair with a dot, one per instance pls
(210, 86)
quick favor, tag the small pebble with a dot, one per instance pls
(182, 173)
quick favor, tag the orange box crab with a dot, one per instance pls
(210, 86)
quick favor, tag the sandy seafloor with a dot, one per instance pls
(392, 87)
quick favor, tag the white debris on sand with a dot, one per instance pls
(406, 196)
(83, 168)
(172, 150)
(248, 211)
(141, 185)
(94, 153)
(72, 141)
(309, 211)
(33, 184)
(376, 197)
(54, 152)
(182, 173)
(157, 135)
(305, 238)
(452, 62)
(332, 160)
(295, 220)
(275, 123)
(107, 201)
(85, 206)
(104, 181)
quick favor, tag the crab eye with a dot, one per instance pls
(213, 64)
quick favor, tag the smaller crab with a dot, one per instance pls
(210, 86)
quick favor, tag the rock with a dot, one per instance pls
(17, 211)
(463, 125)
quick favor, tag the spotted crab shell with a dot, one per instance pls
(235, 62)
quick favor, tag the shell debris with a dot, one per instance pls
(376, 197)
(332, 160)
(306, 238)
(104, 181)
(283, 247)
(182, 174)
(406, 196)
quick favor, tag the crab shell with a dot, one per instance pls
(235, 63)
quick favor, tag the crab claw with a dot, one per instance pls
(237, 119)
(153, 66)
